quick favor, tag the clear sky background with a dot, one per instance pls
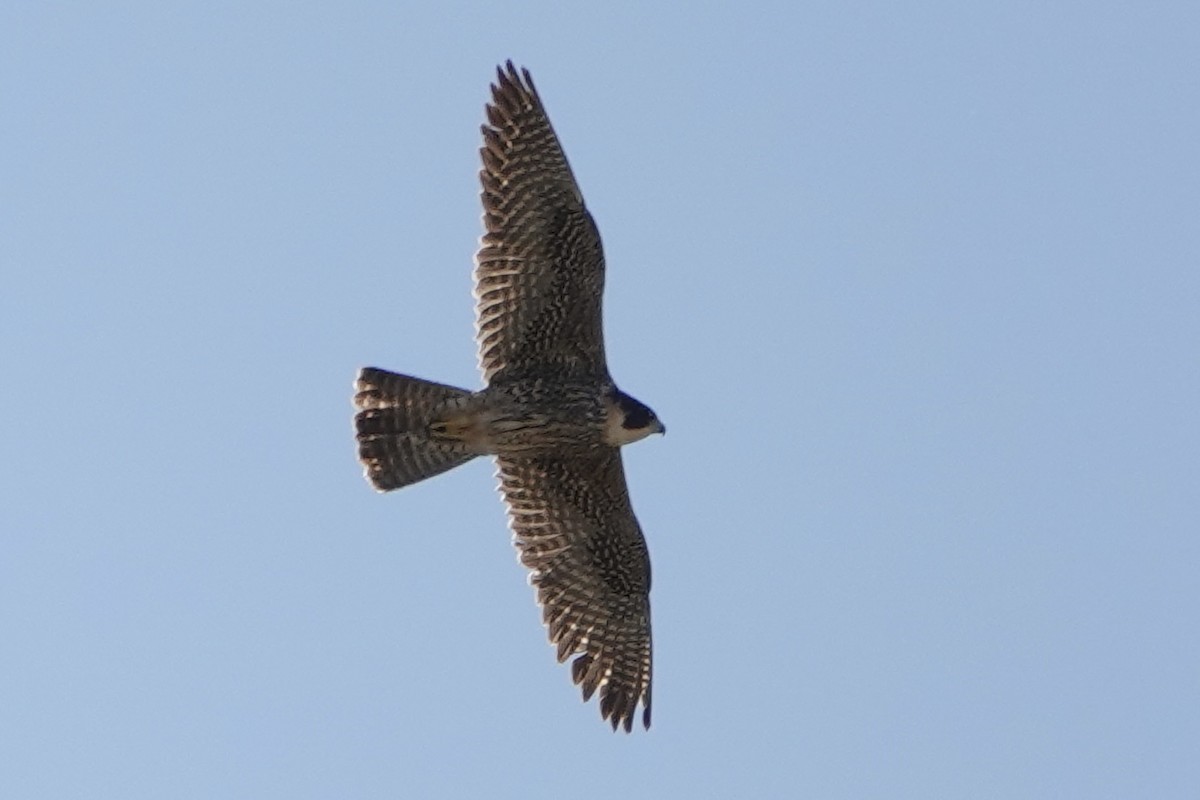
(915, 287)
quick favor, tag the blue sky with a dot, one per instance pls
(915, 287)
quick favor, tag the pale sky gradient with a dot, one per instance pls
(914, 286)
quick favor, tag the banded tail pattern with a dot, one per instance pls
(393, 419)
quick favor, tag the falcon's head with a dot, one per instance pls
(627, 420)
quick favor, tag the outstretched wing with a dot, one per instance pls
(540, 268)
(575, 529)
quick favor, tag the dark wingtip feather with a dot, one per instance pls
(512, 89)
(529, 81)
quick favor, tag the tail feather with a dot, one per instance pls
(394, 443)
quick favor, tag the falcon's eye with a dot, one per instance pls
(637, 415)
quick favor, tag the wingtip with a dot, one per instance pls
(506, 73)
(619, 709)
(511, 79)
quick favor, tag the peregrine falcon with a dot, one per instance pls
(549, 413)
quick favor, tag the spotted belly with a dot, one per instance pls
(528, 433)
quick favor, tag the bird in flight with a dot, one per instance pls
(549, 413)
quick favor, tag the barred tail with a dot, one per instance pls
(393, 421)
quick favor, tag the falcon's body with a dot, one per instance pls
(550, 412)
